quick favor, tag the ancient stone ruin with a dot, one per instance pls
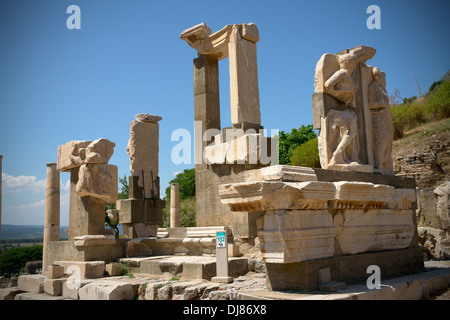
(353, 212)
(317, 229)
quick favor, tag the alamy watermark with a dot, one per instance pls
(374, 281)
(74, 20)
(235, 146)
(374, 20)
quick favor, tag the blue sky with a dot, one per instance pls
(58, 85)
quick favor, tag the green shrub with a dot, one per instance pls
(186, 180)
(306, 154)
(287, 142)
(187, 213)
(438, 102)
(407, 116)
(13, 261)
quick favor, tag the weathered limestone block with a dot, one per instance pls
(264, 195)
(54, 271)
(143, 149)
(306, 220)
(374, 230)
(54, 287)
(281, 173)
(195, 34)
(71, 155)
(249, 148)
(296, 235)
(98, 181)
(83, 269)
(99, 151)
(31, 283)
(94, 240)
(137, 248)
(106, 290)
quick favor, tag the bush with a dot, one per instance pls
(287, 142)
(438, 102)
(186, 180)
(407, 117)
(306, 154)
(187, 213)
(13, 260)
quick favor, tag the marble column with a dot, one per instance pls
(175, 205)
(52, 209)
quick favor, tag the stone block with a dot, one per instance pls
(99, 151)
(36, 296)
(250, 32)
(324, 275)
(138, 248)
(31, 283)
(9, 293)
(233, 250)
(83, 269)
(106, 290)
(54, 287)
(71, 155)
(303, 276)
(94, 240)
(98, 181)
(70, 288)
(54, 271)
(113, 269)
(143, 149)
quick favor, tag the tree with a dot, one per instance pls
(288, 142)
(186, 180)
(13, 261)
(306, 154)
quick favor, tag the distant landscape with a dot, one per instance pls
(10, 231)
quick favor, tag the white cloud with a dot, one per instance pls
(176, 173)
(11, 184)
(37, 204)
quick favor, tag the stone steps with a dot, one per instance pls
(184, 267)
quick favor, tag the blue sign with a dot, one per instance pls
(221, 239)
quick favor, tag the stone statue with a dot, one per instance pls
(382, 124)
(341, 84)
(351, 109)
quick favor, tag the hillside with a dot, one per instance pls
(424, 152)
(10, 231)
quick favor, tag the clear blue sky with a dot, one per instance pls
(58, 85)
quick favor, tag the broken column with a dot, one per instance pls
(143, 149)
(93, 184)
(52, 209)
(141, 214)
(174, 205)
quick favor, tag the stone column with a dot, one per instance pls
(86, 214)
(174, 205)
(244, 91)
(52, 210)
(143, 149)
(1, 158)
(206, 101)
